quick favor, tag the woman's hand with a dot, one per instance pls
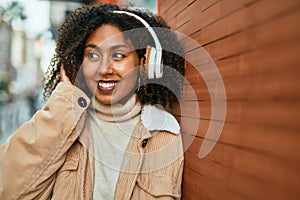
(63, 75)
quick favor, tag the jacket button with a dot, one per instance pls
(144, 143)
(82, 102)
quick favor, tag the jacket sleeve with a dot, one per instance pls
(33, 154)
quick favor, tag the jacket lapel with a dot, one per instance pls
(132, 163)
(87, 169)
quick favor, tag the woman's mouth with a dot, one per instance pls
(107, 86)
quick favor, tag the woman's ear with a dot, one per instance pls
(145, 60)
(147, 54)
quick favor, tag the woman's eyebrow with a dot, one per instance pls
(118, 46)
(114, 47)
(92, 46)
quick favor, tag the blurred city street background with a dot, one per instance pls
(27, 41)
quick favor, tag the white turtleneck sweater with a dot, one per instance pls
(112, 126)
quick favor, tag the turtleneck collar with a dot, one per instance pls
(116, 112)
(152, 117)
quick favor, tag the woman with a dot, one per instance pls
(104, 132)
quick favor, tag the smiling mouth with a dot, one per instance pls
(107, 86)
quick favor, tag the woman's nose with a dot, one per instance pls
(105, 67)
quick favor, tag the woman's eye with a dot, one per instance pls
(93, 56)
(118, 56)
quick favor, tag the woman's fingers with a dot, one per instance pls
(63, 75)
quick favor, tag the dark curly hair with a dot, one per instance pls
(78, 26)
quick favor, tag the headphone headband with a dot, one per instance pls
(146, 24)
(157, 68)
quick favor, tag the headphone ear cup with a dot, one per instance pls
(151, 63)
(158, 64)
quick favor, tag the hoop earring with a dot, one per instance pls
(139, 84)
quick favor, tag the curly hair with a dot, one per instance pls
(80, 24)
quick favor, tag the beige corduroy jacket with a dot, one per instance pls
(49, 157)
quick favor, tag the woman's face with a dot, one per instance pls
(110, 65)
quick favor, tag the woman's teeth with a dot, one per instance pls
(106, 84)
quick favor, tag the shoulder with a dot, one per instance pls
(165, 131)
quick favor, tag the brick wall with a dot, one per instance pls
(255, 45)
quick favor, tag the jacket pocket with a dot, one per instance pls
(159, 186)
(70, 164)
(66, 179)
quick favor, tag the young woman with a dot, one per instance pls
(104, 132)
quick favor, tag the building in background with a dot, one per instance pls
(10, 13)
(22, 43)
(5, 64)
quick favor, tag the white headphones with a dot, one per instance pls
(155, 66)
